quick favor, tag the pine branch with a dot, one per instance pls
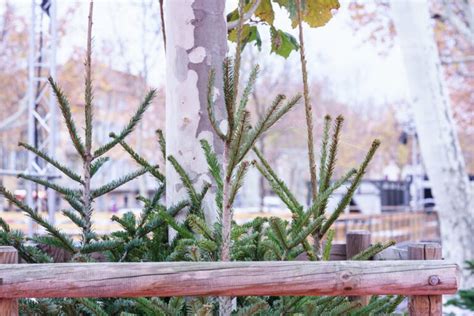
(324, 153)
(68, 172)
(205, 188)
(279, 182)
(345, 308)
(372, 308)
(273, 114)
(117, 183)
(100, 246)
(75, 204)
(75, 219)
(329, 169)
(181, 229)
(97, 164)
(199, 226)
(306, 232)
(278, 190)
(53, 231)
(321, 209)
(229, 93)
(213, 164)
(246, 93)
(278, 227)
(66, 112)
(320, 200)
(372, 251)
(211, 105)
(50, 185)
(350, 192)
(157, 307)
(129, 127)
(162, 142)
(236, 139)
(126, 223)
(390, 308)
(328, 245)
(238, 181)
(157, 222)
(50, 241)
(88, 96)
(186, 181)
(91, 305)
(151, 205)
(17, 239)
(153, 170)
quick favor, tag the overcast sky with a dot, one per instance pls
(353, 69)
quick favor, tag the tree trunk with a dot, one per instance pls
(436, 129)
(196, 35)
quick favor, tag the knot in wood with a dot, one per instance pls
(434, 280)
(349, 280)
(346, 276)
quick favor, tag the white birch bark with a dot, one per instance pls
(436, 130)
(196, 35)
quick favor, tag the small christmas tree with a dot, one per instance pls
(145, 238)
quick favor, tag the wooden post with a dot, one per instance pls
(357, 241)
(426, 305)
(8, 307)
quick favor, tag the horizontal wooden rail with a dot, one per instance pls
(228, 279)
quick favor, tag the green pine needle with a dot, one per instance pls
(153, 170)
(66, 111)
(50, 185)
(238, 181)
(211, 105)
(130, 126)
(117, 183)
(162, 142)
(68, 172)
(186, 181)
(97, 164)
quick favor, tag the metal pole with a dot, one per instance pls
(31, 109)
(52, 106)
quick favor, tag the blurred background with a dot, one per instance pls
(356, 69)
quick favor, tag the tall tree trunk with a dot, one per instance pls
(196, 41)
(436, 129)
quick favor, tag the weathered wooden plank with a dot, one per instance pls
(428, 305)
(227, 279)
(396, 252)
(338, 252)
(9, 255)
(356, 242)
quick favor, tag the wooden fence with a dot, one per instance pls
(400, 226)
(424, 282)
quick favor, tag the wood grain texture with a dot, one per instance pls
(226, 279)
(428, 305)
(8, 255)
(356, 242)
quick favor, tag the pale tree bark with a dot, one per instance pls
(196, 41)
(436, 130)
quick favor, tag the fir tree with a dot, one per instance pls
(82, 196)
(145, 237)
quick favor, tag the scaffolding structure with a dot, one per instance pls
(42, 122)
(41, 109)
